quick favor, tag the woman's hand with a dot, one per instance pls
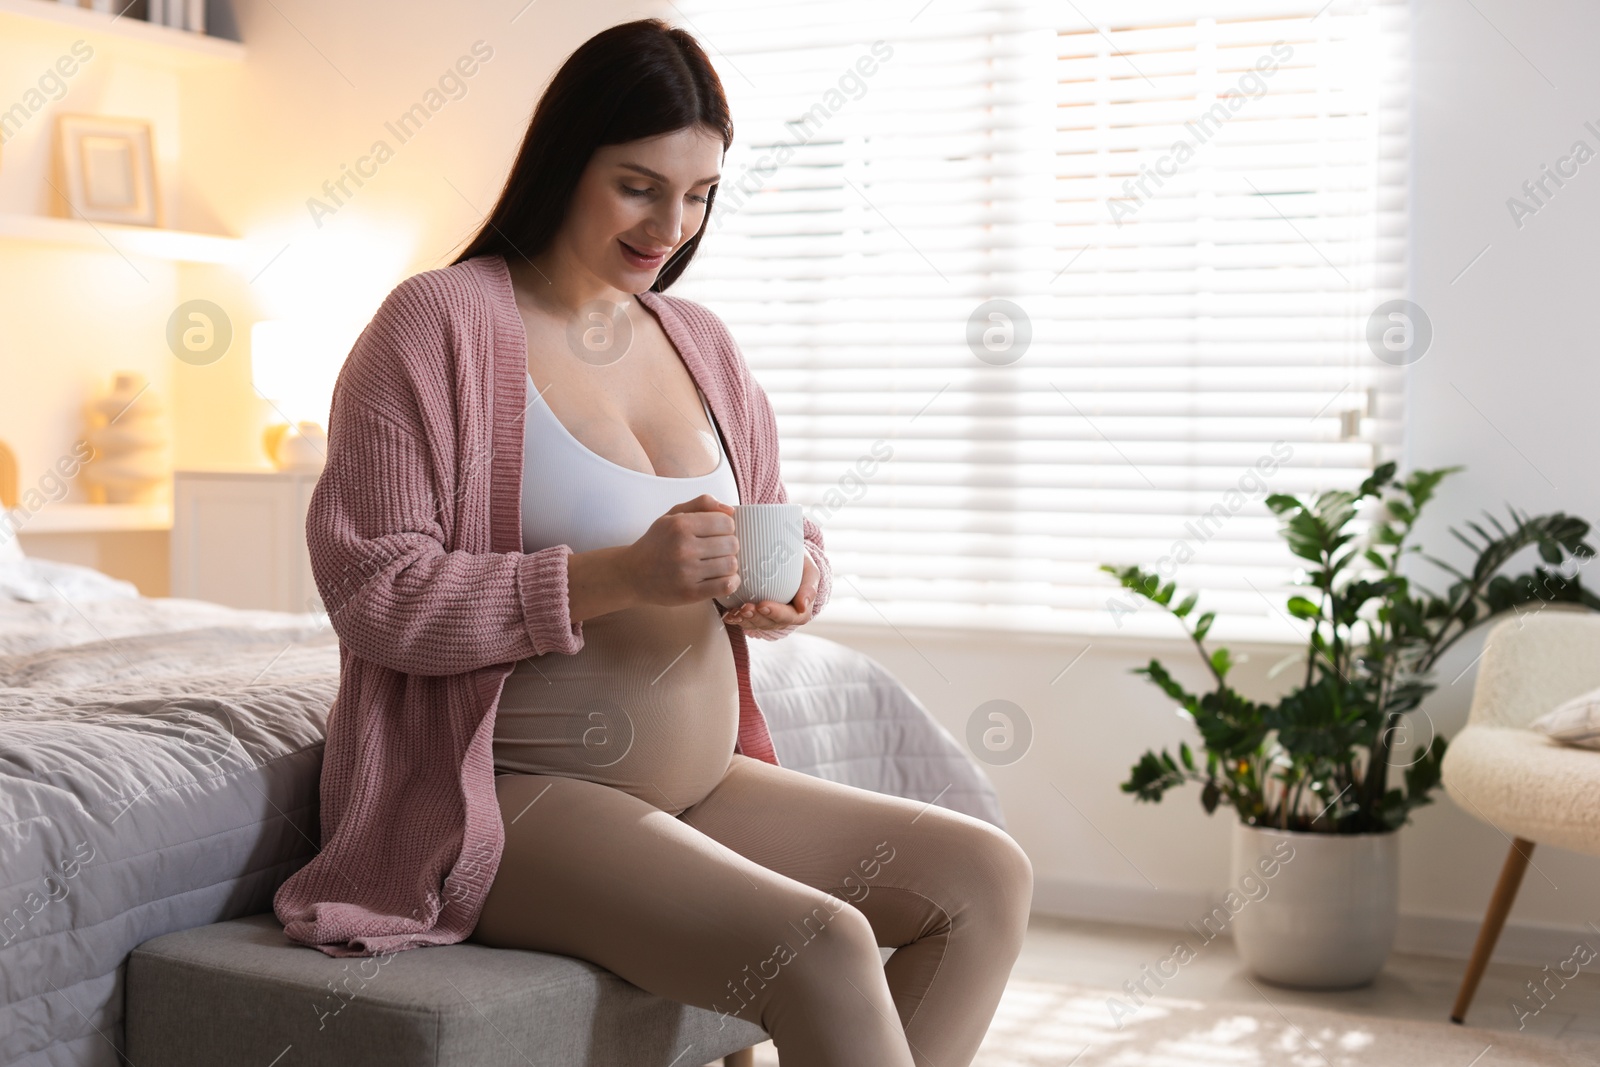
(688, 554)
(771, 615)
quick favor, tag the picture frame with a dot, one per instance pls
(107, 169)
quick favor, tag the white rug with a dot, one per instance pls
(1045, 1023)
(1051, 1024)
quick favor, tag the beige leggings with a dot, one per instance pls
(767, 900)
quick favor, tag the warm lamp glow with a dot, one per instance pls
(337, 272)
(294, 364)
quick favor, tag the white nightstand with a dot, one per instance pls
(239, 538)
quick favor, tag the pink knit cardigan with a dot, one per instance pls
(415, 536)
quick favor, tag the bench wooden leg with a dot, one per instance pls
(745, 1057)
(1505, 891)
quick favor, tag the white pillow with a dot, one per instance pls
(35, 580)
(1577, 722)
(10, 543)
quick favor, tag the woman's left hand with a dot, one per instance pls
(771, 615)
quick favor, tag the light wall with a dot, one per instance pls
(1510, 385)
(1513, 336)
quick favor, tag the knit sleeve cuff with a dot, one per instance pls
(546, 606)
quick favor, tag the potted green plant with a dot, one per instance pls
(1326, 773)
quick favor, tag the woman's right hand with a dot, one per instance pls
(688, 554)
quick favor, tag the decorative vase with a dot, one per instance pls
(128, 432)
(1328, 918)
(302, 447)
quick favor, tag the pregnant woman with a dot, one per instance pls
(545, 736)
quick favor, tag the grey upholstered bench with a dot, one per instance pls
(241, 993)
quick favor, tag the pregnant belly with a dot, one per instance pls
(648, 705)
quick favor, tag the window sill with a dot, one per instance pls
(1276, 640)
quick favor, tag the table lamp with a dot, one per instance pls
(293, 365)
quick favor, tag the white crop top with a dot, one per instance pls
(574, 496)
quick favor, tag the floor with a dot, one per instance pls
(1418, 988)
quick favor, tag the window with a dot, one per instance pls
(1037, 286)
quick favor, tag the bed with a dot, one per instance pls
(159, 760)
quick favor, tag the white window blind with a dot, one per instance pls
(1196, 208)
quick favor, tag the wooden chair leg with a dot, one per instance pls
(1505, 891)
(745, 1057)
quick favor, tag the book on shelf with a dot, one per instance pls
(179, 14)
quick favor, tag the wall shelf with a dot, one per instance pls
(124, 35)
(97, 518)
(179, 246)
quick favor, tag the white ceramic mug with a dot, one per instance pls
(771, 553)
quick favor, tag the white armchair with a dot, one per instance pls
(1531, 789)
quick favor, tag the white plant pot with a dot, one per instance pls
(1328, 915)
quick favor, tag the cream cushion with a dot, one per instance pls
(1577, 722)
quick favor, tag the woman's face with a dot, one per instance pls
(638, 203)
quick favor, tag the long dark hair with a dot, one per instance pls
(634, 80)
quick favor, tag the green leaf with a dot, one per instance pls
(1301, 608)
(1423, 776)
(1282, 502)
(1202, 625)
(1221, 662)
(1187, 606)
(1136, 580)
(1150, 779)
(1381, 476)
(1447, 568)
(1158, 674)
(1419, 485)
